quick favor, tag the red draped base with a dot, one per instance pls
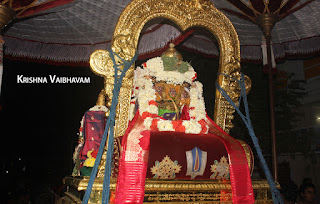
(134, 163)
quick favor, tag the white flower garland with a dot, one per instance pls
(192, 126)
(145, 94)
(198, 109)
(99, 108)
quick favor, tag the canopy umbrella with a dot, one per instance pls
(15, 10)
(265, 14)
(70, 33)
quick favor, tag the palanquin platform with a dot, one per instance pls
(171, 191)
(182, 167)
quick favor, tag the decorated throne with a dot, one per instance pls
(166, 148)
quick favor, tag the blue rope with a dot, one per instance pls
(108, 129)
(246, 119)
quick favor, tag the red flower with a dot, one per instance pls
(154, 124)
(177, 126)
(195, 76)
(112, 197)
(94, 153)
(182, 128)
(203, 124)
(147, 114)
(153, 102)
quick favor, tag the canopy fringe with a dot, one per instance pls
(79, 53)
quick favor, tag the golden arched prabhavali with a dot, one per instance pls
(186, 14)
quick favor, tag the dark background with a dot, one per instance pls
(39, 124)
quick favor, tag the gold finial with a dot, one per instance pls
(101, 99)
(172, 52)
(6, 15)
(266, 22)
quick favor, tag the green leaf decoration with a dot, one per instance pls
(174, 64)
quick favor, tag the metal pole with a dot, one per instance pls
(272, 115)
(266, 23)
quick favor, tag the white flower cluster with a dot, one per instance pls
(144, 93)
(165, 125)
(192, 126)
(198, 109)
(81, 127)
(139, 77)
(99, 108)
(147, 122)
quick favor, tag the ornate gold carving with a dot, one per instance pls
(220, 169)
(186, 14)
(116, 158)
(101, 101)
(102, 164)
(156, 185)
(166, 169)
(230, 83)
(175, 191)
(172, 52)
(101, 63)
(187, 197)
(249, 154)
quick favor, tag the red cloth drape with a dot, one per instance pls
(242, 191)
(93, 129)
(134, 162)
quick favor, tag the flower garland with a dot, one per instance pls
(145, 95)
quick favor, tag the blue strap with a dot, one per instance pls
(108, 129)
(246, 119)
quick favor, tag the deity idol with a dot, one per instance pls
(168, 121)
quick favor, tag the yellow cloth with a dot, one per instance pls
(90, 161)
